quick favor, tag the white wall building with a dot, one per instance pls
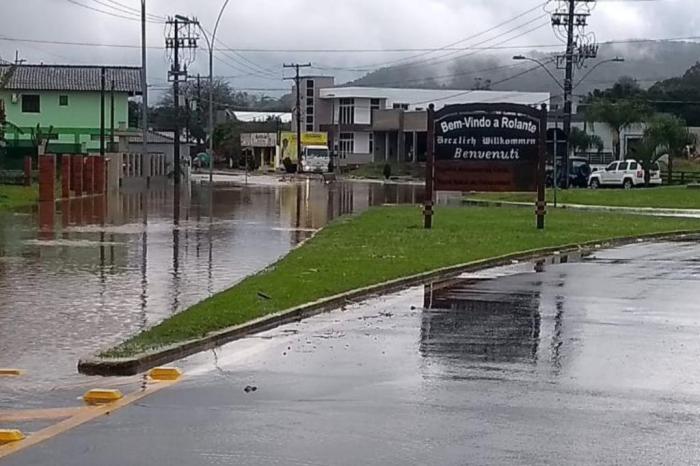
(373, 124)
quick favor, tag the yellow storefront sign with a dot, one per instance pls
(288, 143)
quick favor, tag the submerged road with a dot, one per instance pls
(590, 362)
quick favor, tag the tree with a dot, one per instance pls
(626, 87)
(669, 134)
(583, 142)
(618, 115)
(196, 115)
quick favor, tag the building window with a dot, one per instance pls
(375, 104)
(347, 111)
(310, 84)
(310, 119)
(347, 144)
(63, 100)
(371, 143)
(30, 103)
(309, 128)
(310, 110)
(310, 94)
(400, 106)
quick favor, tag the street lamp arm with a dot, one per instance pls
(218, 19)
(211, 43)
(611, 60)
(542, 65)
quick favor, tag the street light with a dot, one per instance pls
(542, 65)
(567, 103)
(210, 44)
(610, 60)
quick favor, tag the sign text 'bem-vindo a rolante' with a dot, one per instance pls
(487, 147)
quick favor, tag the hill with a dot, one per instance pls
(647, 62)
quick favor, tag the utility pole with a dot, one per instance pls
(199, 108)
(111, 118)
(102, 111)
(144, 83)
(178, 42)
(297, 80)
(18, 61)
(571, 18)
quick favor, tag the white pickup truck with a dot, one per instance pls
(626, 174)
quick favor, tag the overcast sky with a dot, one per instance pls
(313, 24)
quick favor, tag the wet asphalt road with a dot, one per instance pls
(592, 362)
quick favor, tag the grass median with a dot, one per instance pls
(386, 243)
(14, 197)
(667, 197)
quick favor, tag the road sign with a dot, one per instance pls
(486, 147)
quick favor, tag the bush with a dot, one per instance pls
(387, 171)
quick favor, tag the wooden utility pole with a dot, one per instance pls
(297, 81)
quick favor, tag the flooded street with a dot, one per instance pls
(590, 361)
(92, 271)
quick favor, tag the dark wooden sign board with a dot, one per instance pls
(486, 147)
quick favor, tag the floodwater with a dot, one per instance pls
(82, 275)
(575, 361)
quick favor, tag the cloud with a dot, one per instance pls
(313, 24)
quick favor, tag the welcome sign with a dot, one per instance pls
(487, 147)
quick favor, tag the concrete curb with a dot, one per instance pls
(95, 365)
(595, 208)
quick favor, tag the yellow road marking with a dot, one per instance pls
(27, 415)
(81, 417)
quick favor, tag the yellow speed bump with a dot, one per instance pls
(10, 435)
(165, 373)
(100, 396)
(4, 372)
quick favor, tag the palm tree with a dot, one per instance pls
(647, 152)
(583, 142)
(618, 115)
(669, 135)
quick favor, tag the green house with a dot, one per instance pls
(65, 101)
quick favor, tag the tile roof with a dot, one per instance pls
(69, 78)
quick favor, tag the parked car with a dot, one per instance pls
(625, 174)
(579, 171)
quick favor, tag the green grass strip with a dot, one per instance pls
(386, 243)
(667, 197)
(13, 197)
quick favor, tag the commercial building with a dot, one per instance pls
(373, 124)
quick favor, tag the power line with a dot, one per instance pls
(459, 94)
(109, 13)
(348, 51)
(132, 10)
(473, 36)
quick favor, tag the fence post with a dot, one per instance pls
(65, 176)
(28, 170)
(47, 177)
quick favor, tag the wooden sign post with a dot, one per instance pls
(487, 148)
